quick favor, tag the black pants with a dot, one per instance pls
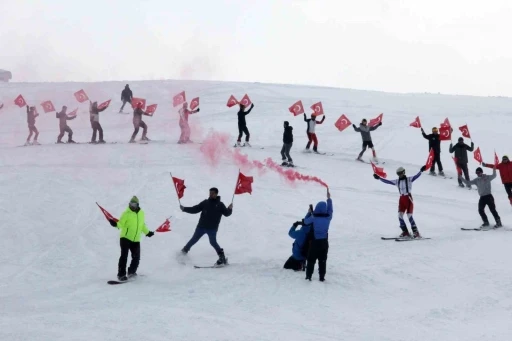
(318, 250)
(508, 189)
(242, 129)
(487, 200)
(285, 151)
(437, 159)
(136, 127)
(96, 127)
(366, 144)
(65, 130)
(464, 168)
(134, 248)
(294, 264)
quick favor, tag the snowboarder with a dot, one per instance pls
(505, 168)
(184, 127)
(31, 120)
(287, 145)
(367, 138)
(320, 219)
(126, 97)
(212, 210)
(434, 143)
(95, 121)
(300, 248)
(139, 123)
(460, 150)
(132, 224)
(63, 125)
(405, 202)
(310, 131)
(242, 126)
(483, 183)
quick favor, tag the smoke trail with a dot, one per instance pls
(291, 175)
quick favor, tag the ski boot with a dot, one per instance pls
(122, 278)
(461, 185)
(405, 233)
(415, 232)
(132, 275)
(145, 138)
(131, 141)
(59, 142)
(498, 224)
(71, 141)
(35, 143)
(485, 225)
(28, 143)
(222, 259)
(238, 144)
(247, 144)
(433, 173)
(290, 164)
(285, 163)
(102, 141)
(441, 173)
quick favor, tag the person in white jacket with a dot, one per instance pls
(312, 122)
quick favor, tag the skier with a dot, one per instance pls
(320, 219)
(367, 137)
(434, 143)
(242, 126)
(212, 210)
(63, 125)
(287, 144)
(460, 150)
(505, 168)
(483, 183)
(405, 203)
(95, 121)
(310, 131)
(184, 127)
(137, 123)
(126, 97)
(300, 248)
(132, 224)
(31, 120)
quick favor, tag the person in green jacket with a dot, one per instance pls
(131, 225)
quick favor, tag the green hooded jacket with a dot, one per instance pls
(132, 224)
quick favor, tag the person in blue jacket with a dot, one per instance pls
(320, 219)
(297, 260)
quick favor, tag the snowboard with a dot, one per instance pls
(113, 282)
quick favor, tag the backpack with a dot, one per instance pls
(307, 242)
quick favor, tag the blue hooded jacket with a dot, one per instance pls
(321, 219)
(300, 239)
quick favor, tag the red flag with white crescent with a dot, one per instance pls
(104, 104)
(20, 101)
(416, 123)
(165, 227)
(73, 113)
(446, 123)
(496, 159)
(137, 101)
(150, 110)
(465, 131)
(430, 159)
(318, 109)
(297, 108)
(246, 101)
(445, 133)
(232, 101)
(81, 96)
(342, 123)
(194, 103)
(373, 122)
(47, 106)
(179, 99)
(478, 155)
(379, 171)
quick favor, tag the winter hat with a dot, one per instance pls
(479, 170)
(134, 199)
(460, 139)
(286, 123)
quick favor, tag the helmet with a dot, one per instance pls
(400, 171)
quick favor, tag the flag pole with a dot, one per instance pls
(179, 202)
(236, 185)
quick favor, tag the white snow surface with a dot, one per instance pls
(57, 250)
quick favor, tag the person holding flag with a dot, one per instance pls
(367, 137)
(94, 113)
(63, 125)
(460, 150)
(184, 127)
(434, 144)
(242, 126)
(139, 123)
(31, 121)
(310, 131)
(505, 168)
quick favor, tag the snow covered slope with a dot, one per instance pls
(57, 251)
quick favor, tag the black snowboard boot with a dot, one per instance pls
(222, 259)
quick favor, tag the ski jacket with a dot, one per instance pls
(300, 238)
(483, 183)
(288, 135)
(461, 151)
(126, 94)
(404, 185)
(211, 211)
(184, 113)
(31, 117)
(365, 131)
(132, 224)
(434, 142)
(63, 119)
(137, 116)
(241, 116)
(320, 219)
(95, 113)
(505, 169)
(312, 124)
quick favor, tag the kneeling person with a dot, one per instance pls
(300, 248)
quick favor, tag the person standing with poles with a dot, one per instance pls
(287, 145)
(434, 143)
(460, 150)
(126, 97)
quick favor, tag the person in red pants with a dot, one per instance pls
(312, 122)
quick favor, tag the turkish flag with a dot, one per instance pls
(150, 110)
(179, 99)
(73, 113)
(20, 101)
(165, 227)
(297, 108)
(416, 123)
(446, 123)
(478, 155)
(232, 101)
(430, 159)
(496, 159)
(465, 131)
(107, 215)
(246, 101)
(137, 101)
(445, 133)
(48, 106)
(318, 109)
(194, 103)
(179, 184)
(379, 171)
(104, 104)
(342, 123)
(81, 96)
(375, 121)
(244, 184)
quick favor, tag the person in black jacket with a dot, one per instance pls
(31, 120)
(126, 96)
(63, 125)
(434, 143)
(287, 144)
(460, 150)
(242, 126)
(212, 210)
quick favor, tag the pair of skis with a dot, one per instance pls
(403, 239)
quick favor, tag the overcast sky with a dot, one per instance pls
(447, 46)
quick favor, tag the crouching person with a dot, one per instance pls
(300, 248)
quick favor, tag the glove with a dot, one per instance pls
(295, 224)
(150, 234)
(353, 125)
(376, 176)
(198, 109)
(113, 222)
(423, 168)
(380, 123)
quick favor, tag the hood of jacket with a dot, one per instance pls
(320, 208)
